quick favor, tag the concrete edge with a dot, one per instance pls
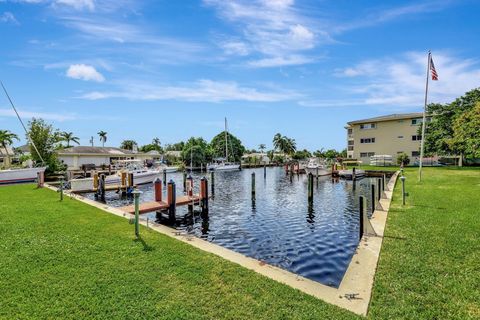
(354, 292)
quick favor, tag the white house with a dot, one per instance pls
(75, 157)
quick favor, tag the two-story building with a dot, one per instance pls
(386, 135)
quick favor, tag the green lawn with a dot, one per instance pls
(69, 260)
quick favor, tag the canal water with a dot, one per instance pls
(278, 226)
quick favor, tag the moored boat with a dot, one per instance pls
(350, 173)
(317, 168)
(11, 176)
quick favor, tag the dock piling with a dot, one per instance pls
(184, 180)
(164, 176)
(253, 184)
(40, 179)
(95, 180)
(189, 185)
(204, 196)
(264, 171)
(158, 190)
(310, 187)
(379, 189)
(171, 200)
(374, 202)
(362, 209)
(212, 179)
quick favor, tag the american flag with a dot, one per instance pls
(432, 69)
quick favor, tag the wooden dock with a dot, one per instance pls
(161, 205)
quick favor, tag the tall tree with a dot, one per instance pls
(262, 147)
(127, 144)
(69, 137)
(196, 151)
(235, 147)
(466, 133)
(6, 139)
(277, 141)
(45, 137)
(103, 137)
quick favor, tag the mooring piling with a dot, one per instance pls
(253, 184)
(374, 201)
(354, 174)
(212, 180)
(184, 181)
(102, 187)
(310, 187)
(264, 171)
(362, 209)
(379, 189)
(95, 180)
(158, 190)
(204, 196)
(189, 184)
(40, 179)
(164, 176)
(171, 200)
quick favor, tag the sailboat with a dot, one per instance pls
(222, 164)
(19, 175)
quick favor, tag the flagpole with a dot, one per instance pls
(422, 142)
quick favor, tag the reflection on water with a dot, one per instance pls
(277, 225)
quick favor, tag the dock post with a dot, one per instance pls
(253, 184)
(171, 198)
(184, 181)
(354, 174)
(136, 195)
(204, 196)
(158, 190)
(95, 180)
(212, 179)
(189, 184)
(403, 189)
(374, 198)
(310, 187)
(379, 188)
(102, 187)
(316, 172)
(40, 179)
(164, 176)
(264, 171)
(123, 179)
(362, 209)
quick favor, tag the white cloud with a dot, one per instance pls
(274, 29)
(8, 17)
(77, 4)
(44, 115)
(280, 61)
(201, 90)
(236, 48)
(84, 72)
(400, 81)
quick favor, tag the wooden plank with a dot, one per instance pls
(155, 205)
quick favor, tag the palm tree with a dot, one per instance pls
(262, 147)
(68, 136)
(290, 146)
(127, 144)
(103, 137)
(277, 141)
(6, 139)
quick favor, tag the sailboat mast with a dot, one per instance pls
(226, 140)
(21, 122)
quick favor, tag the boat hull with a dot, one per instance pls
(20, 175)
(86, 184)
(318, 171)
(227, 167)
(348, 174)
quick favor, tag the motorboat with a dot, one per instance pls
(317, 168)
(141, 175)
(222, 164)
(10, 176)
(161, 166)
(351, 173)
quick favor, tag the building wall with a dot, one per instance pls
(391, 138)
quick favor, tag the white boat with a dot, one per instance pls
(317, 168)
(221, 164)
(141, 175)
(168, 169)
(11, 176)
(348, 173)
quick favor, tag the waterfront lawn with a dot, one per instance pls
(69, 260)
(430, 258)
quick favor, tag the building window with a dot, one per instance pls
(366, 154)
(416, 121)
(417, 137)
(350, 142)
(400, 137)
(399, 152)
(350, 156)
(367, 140)
(350, 130)
(415, 153)
(368, 126)
(350, 148)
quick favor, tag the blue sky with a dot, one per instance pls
(175, 69)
